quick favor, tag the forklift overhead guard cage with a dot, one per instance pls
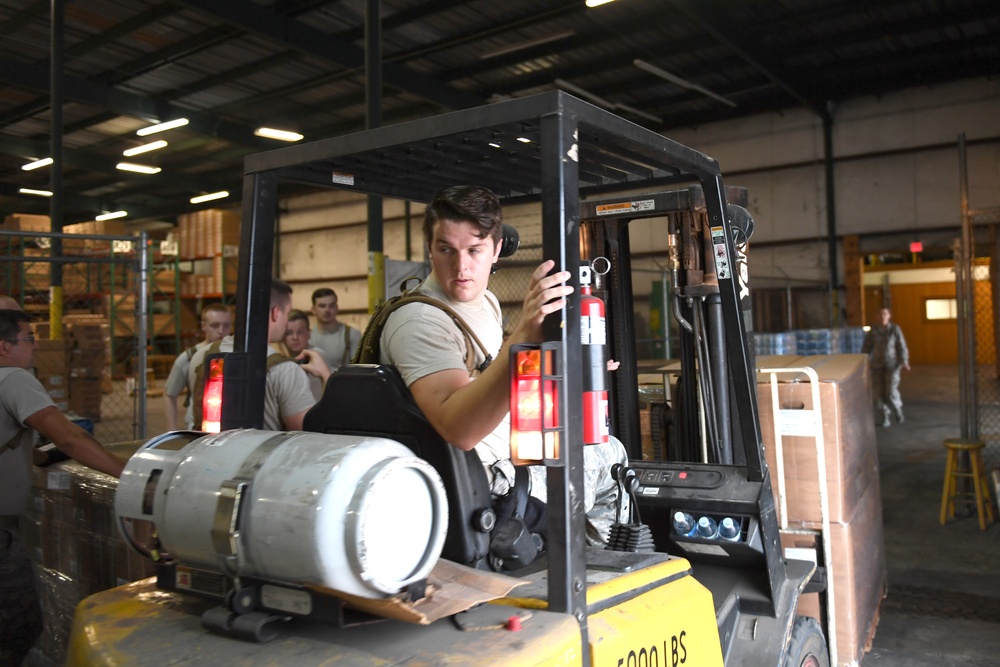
(553, 148)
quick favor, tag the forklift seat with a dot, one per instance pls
(363, 399)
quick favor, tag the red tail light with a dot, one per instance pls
(211, 409)
(533, 406)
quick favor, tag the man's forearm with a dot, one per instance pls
(461, 410)
(170, 410)
(85, 449)
(73, 440)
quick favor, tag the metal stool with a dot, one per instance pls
(954, 469)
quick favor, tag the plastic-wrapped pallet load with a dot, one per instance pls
(784, 343)
(69, 531)
(852, 340)
(813, 341)
(763, 343)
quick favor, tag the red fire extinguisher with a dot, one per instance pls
(594, 337)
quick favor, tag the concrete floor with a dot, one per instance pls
(943, 605)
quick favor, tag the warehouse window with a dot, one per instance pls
(941, 309)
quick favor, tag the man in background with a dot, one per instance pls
(7, 303)
(886, 346)
(338, 341)
(27, 409)
(216, 324)
(297, 341)
(287, 396)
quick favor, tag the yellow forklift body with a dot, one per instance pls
(653, 616)
(658, 615)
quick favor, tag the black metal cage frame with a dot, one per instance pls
(553, 147)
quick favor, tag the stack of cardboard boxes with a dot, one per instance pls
(50, 366)
(852, 485)
(210, 238)
(87, 360)
(74, 370)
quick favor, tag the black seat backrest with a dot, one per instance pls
(364, 399)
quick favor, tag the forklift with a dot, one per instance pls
(698, 577)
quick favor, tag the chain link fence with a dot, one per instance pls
(986, 292)
(90, 372)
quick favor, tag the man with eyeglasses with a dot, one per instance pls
(216, 324)
(26, 408)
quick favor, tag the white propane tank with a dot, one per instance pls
(358, 514)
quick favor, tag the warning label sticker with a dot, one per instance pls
(625, 207)
(342, 179)
(722, 261)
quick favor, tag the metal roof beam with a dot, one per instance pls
(298, 36)
(709, 15)
(36, 77)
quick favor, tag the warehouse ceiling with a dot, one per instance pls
(232, 66)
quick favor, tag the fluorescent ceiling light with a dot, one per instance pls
(138, 168)
(282, 135)
(112, 215)
(40, 193)
(44, 162)
(638, 112)
(598, 3)
(526, 44)
(145, 148)
(600, 101)
(683, 83)
(162, 127)
(524, 140)
(607, 104)
(222, 194)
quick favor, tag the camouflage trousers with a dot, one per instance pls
(885, 391)
(600, 491)
(20, 612)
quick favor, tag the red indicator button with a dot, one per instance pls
(682, 475)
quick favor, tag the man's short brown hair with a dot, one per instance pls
(295, 314)
(215, 308)
(281, 293)
(323, 292)
(466, 203)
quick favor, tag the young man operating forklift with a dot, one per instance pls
(463, 231)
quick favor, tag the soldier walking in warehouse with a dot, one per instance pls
(886, 347)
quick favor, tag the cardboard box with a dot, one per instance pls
(205, 233)
(50, 360)
(860, 579)
(41, 330)
(89, 336)
(85, 397)
(27, 223)
(848, 433)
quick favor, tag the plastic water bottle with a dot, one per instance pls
(729, 529)
(708, 528)
(684, 524)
